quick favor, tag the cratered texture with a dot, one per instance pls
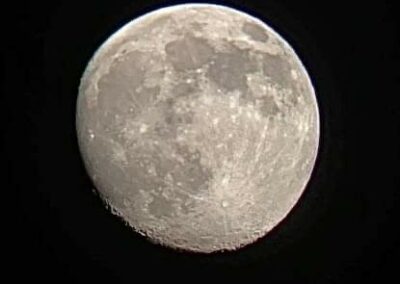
(199, 126)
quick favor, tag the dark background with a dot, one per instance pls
(344, 228)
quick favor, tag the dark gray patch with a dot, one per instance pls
(143, 98)
(125, 74)
(193, 176)
(246, 98)
(188, 53)
(196, 26)
(229, 69)
(116, 87)
(175, 119)
(167, 127)
(172, 117)
(267, 106)
(183, 89)
(256, 32)
(277, 69)
(165, 131)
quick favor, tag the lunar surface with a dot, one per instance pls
(199, 127)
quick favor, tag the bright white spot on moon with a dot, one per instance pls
(294, 74)
(206, 125)
(143, 128)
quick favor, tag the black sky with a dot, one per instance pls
(344, 229)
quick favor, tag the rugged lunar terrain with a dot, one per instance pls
(199, 127)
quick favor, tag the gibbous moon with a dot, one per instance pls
(199, 126)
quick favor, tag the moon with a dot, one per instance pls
(199, 126)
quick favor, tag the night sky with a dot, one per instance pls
(344, 227)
